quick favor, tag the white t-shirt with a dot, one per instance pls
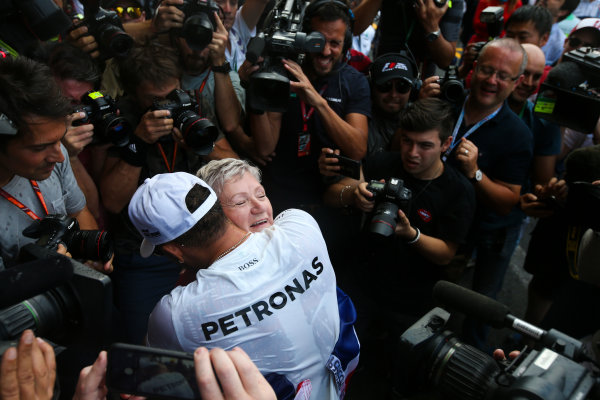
(274, 296)
(239, 36)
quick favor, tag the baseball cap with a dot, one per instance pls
(589, 23)
(158, 210)
(392, 66)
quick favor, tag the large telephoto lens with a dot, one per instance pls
(90, 245)
(116, 130)
(115, 40)
(198, 133)
(198, 30)
(384, 219)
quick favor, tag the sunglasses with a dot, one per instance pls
(132, 12)
(401, 86)
(575, 42)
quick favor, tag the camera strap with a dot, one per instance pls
(23, 207)
(164, 156)
(470, 131)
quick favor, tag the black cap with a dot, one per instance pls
(392, 66)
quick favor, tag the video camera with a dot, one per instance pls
(389, 197)
(269, 87)
(106, 27)
(101, 111)
(43, 18)
(434, 358)
(199, 22)
(82, 244)
(570, 95)
(198, 132)
(59, 298)
(493, 18)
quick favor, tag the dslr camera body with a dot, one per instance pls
(198, 133)
(82, 244)
(199, 22)
(451, 87)
(388, 197)
(101, 111)
(106, 27)
(436, 358)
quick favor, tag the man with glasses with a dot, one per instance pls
(493, 148)
(128, 10)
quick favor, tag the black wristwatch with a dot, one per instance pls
(223, 69)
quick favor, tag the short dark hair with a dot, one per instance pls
(68, 62)
(148, 62)
(569, 6)
(540, 16)
(427, 114)
(329, 11)
(27, 89)
(210, 227)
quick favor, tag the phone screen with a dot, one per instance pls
(151, 372)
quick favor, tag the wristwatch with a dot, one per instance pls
(223, 69)
(478, 176)
(433, 36)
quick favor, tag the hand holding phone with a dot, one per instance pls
(348, 166)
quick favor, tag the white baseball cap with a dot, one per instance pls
(158, 210)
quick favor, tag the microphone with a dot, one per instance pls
(498, 315)
(30, 279)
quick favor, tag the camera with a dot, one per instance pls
(199, 22)
(82, 244)
(435, 358)
(451, 87)
(198, 133)
(101, 111)
(41, 19)
(572, 86)
(106, 27)
(389, 197)
(269, 87)
(75, 308)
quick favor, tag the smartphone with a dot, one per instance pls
(151, 372)
(349, 167)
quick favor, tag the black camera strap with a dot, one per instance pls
(23, 207)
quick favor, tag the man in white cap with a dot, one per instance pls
(273, 293)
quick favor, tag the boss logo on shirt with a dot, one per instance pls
(248, 264)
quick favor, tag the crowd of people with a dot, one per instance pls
(306, 233)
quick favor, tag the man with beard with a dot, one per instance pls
(329, 107)
(149, 73)
(493, 148)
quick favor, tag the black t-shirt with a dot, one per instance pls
(442, 208)
(292, 180)
(505, 146)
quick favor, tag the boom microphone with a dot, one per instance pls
(30, 279)
(498, 315)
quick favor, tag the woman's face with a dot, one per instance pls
(246, 204)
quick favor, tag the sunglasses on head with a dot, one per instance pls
(132, 12)
(401, 86)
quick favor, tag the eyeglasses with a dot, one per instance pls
(132, 12)
(576, 42)
(487, 72)
(401, 86)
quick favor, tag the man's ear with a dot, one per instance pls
(446, 144)
(544, 39)
(173, 250)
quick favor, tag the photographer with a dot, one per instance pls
(329, 107)
(395, 275)
(429, 29)
(36, 175)
(239, 23)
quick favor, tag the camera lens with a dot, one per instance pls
(116, 130)
(384, 219)
(199, 133)
(453, 91)
(115, 40)
(197, 31)
(90, 245)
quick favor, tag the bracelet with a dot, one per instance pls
(416, 238)
(342, 195)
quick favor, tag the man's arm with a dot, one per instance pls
(543, 169)
(349, 134)
(265, 129)
(118, 183)
(364, 14)
(441, 50)
(222, 150)
(227, 106)
(251, 12)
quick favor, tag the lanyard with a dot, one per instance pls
(470, 131)
(23, 207)
(306, 115)
(198, 92)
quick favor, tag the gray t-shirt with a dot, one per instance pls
(61, 194)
